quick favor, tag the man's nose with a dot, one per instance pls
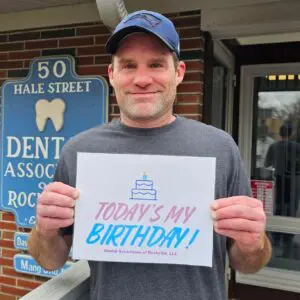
(142, 78)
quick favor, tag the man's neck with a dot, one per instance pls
(163, 121)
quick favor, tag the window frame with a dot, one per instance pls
(267, 277)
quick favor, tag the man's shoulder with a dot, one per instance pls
(86, 138)
(208, 132)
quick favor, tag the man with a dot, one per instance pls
(144, 73)
(284, 157)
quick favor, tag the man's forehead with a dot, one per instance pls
(142, 40)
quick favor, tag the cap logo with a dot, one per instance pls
(152, 20)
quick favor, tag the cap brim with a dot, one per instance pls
(113, 42)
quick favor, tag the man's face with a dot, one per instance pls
(145, 78)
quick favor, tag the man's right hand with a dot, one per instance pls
(55, 208)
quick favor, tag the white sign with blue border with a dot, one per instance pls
(40, 114)
(26, 264)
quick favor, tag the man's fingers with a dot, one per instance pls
(52, 198)
(240, 225)
(52, 211)
(239, 211)
(61, 188)
(237, 200)
(241, 236)
(47, 224)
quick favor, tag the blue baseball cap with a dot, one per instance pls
(149, 22)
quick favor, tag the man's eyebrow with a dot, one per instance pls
(126, 61)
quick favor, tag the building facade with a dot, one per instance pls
(243, 76)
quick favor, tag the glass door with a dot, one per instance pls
(269, 140)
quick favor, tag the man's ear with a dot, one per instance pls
(110, 74)
(180, 71)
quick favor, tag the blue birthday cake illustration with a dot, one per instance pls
(143, 190)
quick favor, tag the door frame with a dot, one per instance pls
(267, 277)
(227, 59)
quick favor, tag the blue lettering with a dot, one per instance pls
(174, 234)
(94, 235)
(116, 232)
(161, 233)
(141, 235)
(130, 228)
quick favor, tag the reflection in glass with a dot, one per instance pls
(278, 148)
(286, 251)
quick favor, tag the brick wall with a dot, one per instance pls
(86, 43)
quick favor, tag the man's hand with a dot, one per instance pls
(55, 208)
(242, 219)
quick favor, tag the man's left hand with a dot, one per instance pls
(242, 219)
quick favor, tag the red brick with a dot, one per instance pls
(8, 217)
(11, 272)
(171, 15)
(73, 42)
(8, 235)
(24, 54)
(102, 39)
(91, 50)
(103, 59)
(91, 70)
(3, 56)
(194, 65)
(41, 44)
(191, 44)
(8, 281)
(11, 47)
(24, 36)
(11, 64)
(190, 88)
(190, 32)
(9, 253)
(8, 226)
(92, 30)
(3, 38)
(189, 98)
(188, 109)
(112, 99)
(3, 74)
(28, 284)
(187, 21)
(192, 76)
(6, 262)
(7, 297)
(14, 291)
(6, 244)
(87, 60)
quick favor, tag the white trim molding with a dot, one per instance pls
(251, 20)
(272, 278)
(54, 16)
(223, 54)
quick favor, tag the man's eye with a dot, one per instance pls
(156, 65)
(129, 66)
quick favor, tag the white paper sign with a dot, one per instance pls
(144, 208)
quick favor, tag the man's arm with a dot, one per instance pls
(55, 210)
(250, 262)
(50, 251)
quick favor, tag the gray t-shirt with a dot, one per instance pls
(183, 137)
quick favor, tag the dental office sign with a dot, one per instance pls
(40, 114)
